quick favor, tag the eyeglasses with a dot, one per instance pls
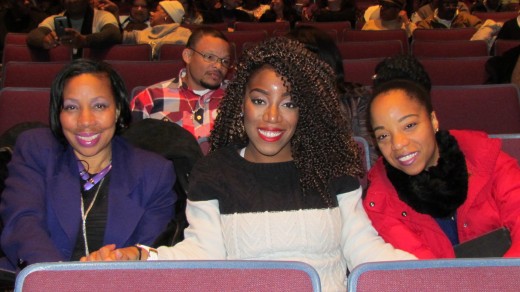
(212, 59)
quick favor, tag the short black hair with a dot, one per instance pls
(86, 66)
(199, 33)
(413, 89)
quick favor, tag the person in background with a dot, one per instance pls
(447, 15)
(139, 14)
(434, 189)
(428, 10)
(165, 28)
(89, 28)
(281, 10)
(506, 67)
(192, 15)
(282, 158)
(139, 17)
(254, 8)
(510, 30)
(225, 11)
(487, 6)
(191, 98)
(306, 9)
(79, 186)
(392, 16)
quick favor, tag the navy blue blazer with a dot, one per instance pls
(40, 205)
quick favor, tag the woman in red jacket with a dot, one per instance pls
(434, 189)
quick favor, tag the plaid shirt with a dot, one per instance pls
(171, 100)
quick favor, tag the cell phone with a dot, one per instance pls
(60, 23)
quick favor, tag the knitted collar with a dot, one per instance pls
(439, 190)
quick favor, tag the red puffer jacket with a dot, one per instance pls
(493, 201)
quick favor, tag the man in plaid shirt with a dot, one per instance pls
(192, 98)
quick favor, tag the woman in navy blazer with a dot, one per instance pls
(79, 186)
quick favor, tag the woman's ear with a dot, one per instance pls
(435, 122)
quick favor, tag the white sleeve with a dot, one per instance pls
(361, 242)
(488, 32)
(102, 18)
(202, 239)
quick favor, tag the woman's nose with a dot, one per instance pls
(86, 118)
(272, 114)
(399, 141)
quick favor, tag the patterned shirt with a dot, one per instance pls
(173, 101)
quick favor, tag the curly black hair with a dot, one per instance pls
(403, 66)
(322, 145)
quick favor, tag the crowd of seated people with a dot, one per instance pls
(135, 24)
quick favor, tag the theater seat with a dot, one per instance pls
(159, 276)
(18, 105)
(485, 274)
(494, 109)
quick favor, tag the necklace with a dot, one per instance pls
(197, 113)
(92, 181)
(85, 214)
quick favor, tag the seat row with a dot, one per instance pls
(442, 71)
(134, 73)
(491, 274)
(349, 50)
(494, 109)
(356, 44)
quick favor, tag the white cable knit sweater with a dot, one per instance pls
(250, 211)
